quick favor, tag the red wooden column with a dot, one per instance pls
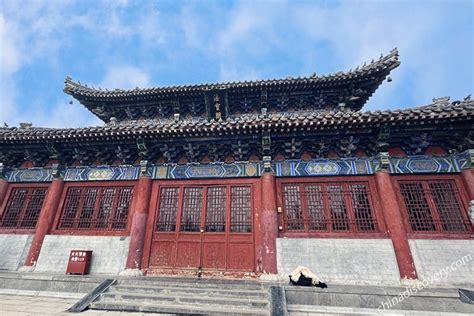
(139, 220)
(45, 220)
(3, 189)
(468, 178)
(269, 223)
(394, 223)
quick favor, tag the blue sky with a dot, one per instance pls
(125, 44)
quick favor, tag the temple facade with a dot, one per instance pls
(246, 179)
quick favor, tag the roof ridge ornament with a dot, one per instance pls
(441, 100)
(113, 121)
(26, 125)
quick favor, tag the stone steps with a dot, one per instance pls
(193, 282)
(205, 291)
(42, 283)
(186, 296)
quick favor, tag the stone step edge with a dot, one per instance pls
(193, 289)
(323, 309)
(131, 306)
(42, 293)
(443, 293)
(44, 276)
(192, 279)
(198, 298)
(188, 283)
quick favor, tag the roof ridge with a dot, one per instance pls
(390, 61)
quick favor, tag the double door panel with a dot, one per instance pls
(204, 226)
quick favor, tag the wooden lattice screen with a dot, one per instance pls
(23, 208)
(241, 209)
(328, 207)
(192, 209)
(216, 209)
(96, 208)
(168, 209)
(433, 206)
(215, 213)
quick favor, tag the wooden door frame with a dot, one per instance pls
(254, 184)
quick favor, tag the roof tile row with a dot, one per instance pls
(273, 121)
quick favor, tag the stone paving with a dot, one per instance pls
(19, 305)
(22, 305)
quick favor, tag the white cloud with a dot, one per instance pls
(10, 58)
(37, 31)
(20, 46)
(228, 73)
(240, 41)
(125, 77)
(354, 32)
(61, 115)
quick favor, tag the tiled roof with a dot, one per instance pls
(78, 90)
(440, 111)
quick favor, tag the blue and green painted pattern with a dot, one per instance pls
(286, 168)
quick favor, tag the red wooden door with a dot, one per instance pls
(207, 226)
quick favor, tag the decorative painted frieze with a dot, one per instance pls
(286, 168)
(102, 173)
(323, 167)
(211, 170)
(30, 175)
(423, 164)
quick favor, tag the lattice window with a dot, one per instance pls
(240, 210)
(293, 208)
(315, 205)
(338, 207)
(96, 208)
(448, 206)
(120, 216)
(216, 207)
(419, 214)
(328, 207)
(361, 205)
(433, 206)
(23, 208)
(167, 210)
(192, 209)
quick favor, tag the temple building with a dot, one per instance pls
(246, 179)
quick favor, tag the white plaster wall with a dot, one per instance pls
(109, 254)
(444, 261)
(14, 250)
(336, 260)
